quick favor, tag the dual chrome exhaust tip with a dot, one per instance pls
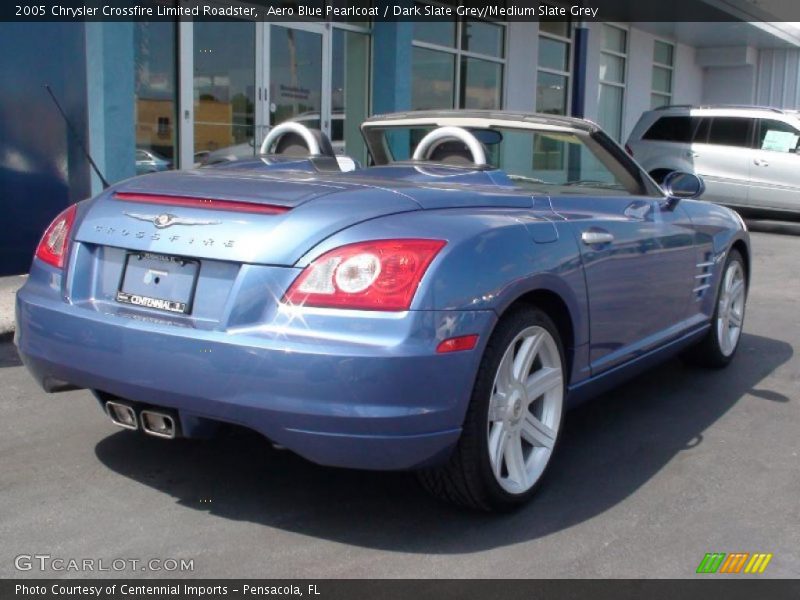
(153, 422)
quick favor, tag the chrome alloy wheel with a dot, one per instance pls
(730, 312)
(525, 409)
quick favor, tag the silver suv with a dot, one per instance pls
(747, 156)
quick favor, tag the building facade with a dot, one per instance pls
(146, 96)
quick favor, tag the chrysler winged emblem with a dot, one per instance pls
(167, 220)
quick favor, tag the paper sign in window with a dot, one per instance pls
(779, 141)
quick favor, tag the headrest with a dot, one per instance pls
(292, 144)
(452, 152)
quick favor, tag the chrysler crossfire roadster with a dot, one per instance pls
(437, 310)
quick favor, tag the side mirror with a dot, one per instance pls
(683, 185)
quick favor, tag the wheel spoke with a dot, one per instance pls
(498, 436)
(736, 290)
(735, 319)
(542, 381)
(497, 407)
(525, 357)
(505, 373)
(729, 274)
(515, 461)
(537, 433)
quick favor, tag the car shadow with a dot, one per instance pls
(8, 355)
(780, 227)
(611, 446)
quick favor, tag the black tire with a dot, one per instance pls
(467, 478)
(708, 352)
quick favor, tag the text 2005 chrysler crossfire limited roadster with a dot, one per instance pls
(435, 311)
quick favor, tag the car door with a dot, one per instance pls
(774, 181)
(721, 153)
(639, 260)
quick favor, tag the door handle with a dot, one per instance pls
(592, 237)
(760, 163)
(692, 154)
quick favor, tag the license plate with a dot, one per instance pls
(157, 281)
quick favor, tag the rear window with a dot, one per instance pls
(682, 130)
(720, 131)
(671, 129)
(730, 131)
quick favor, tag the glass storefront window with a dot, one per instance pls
(613, 59)
(662, 80)
(553, 77)
(609, 110)
(553, 54)
(612, 68)
(614, 39)
(155, 96)
(555, 28)
(433, 79)
(440, 32)
(481, 83)
(295, 67)
(457, 64)
(551, 93)
(662, 53)
(238, 95)
(663, 57)
(224, 86)
(483, 38)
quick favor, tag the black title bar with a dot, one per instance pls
(702, 588)
(399, 10)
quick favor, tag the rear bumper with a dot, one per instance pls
(342, 400)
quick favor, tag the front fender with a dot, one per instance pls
(718, 225)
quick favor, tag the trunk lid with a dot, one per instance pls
(308, 207)
(301, 219)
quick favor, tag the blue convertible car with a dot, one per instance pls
(438, 310)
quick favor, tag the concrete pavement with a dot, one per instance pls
(8, 289)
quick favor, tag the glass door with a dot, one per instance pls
(224, 84)
(297, 76)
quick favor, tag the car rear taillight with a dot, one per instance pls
(377, 275)
(52, 249)
(628, 150)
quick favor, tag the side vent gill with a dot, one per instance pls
(703, 276)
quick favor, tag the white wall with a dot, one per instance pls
(728, 74)
(687, 83)
(729, 85)
(639, 80)
(778, 78)
(522, 56)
